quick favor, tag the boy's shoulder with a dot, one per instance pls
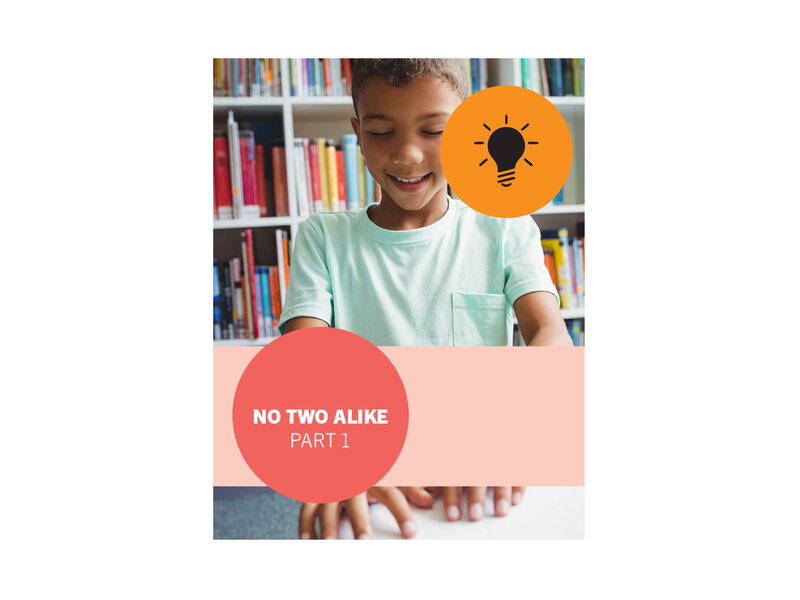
(331, 221)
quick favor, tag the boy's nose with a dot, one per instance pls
(406, 153)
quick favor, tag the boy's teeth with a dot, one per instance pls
(410, 180)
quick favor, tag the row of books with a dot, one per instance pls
(247, 297)
(242, 188)
(332, 176)
(564, 258)
(320, 76)
(237, 77)
(334, 76)
(553, 76)
(574, 328)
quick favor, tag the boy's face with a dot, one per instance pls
(400, 131)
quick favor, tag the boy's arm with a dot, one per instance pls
(302, 323)
(540, 321)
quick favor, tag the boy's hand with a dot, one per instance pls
(504, 498)
(357, 509)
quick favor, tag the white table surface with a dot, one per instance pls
(544, 513)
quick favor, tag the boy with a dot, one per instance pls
(419, 268)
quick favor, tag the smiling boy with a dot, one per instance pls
(419, 268)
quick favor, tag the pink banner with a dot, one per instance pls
(477, 416)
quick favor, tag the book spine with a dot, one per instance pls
(275, 296)
(567, 79)
(281, 269)
(310, 205)
(326, 77)
(556, 80)
(523, 67)
(474, 68)
(286, 259)
(252, 274)
(235, 164)
(238, 299)
(300, 178)
(333, 183)
(370, 184)
(319, 86)
(322, 160)
(341, 178)
(543, 77)
(350, 145)
(277, 77)
(222, 178)
(551, 240)
(315, 181)
(362, 181)
(279, 176)
(348, 76)
(229, 330)
(247, 149)
(266, 304)
(217, 304)
(259, 302)
(247, 290)
(262, 182)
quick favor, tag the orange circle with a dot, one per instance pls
(506, 151)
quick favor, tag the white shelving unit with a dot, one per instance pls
(330, 117)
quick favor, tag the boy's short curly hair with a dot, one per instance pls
(399, 72)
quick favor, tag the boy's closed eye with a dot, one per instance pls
(384, 133)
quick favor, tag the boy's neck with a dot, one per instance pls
(389, 215)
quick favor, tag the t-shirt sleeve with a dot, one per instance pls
(309, 293)
(525, 270)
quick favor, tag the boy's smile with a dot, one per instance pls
(400, 132)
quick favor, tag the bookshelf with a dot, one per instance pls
(329, 116)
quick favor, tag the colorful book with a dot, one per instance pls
(279, 233)
(279, 179)
(306, 143)
(556, 240)
(301, 188)
(247, 149)
(238, 299)
(248, 233)
(217, 304)
(362, 180)
(247, 290)
(222, 178)
(228, 323)
(332, 170)
(347, 75)
(316, 186)
(235, 164)
(261, 180)
(322, 164)
(350, 146)
(341, 178)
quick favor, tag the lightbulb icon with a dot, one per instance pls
(506, 146)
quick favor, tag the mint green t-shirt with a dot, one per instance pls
(451, 283)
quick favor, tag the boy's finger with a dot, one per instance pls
(517, 492)
(502, 501)
(418, 496)
(396, 502)
(305, 524)
(451, 496)
(476, 499)
(358, 512)
(329, 521)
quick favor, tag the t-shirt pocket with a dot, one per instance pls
(480, 319)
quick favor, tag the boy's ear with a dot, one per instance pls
(356, 128)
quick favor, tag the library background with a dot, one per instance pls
(284, 148)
